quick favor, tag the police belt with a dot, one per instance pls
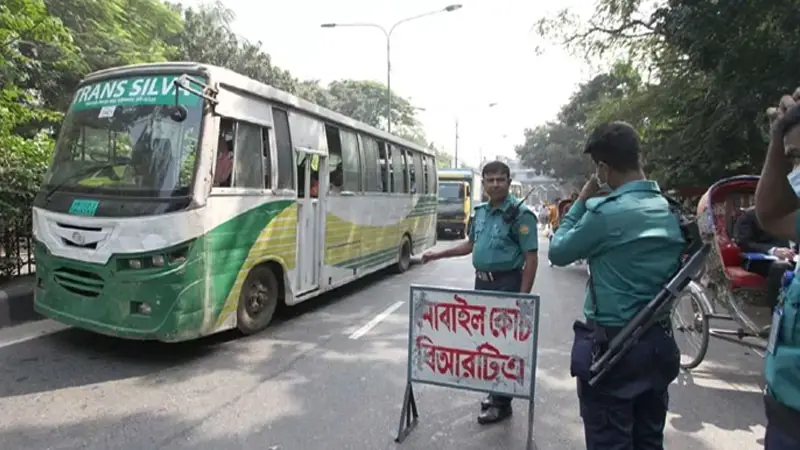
(781, 416)
(495, 275)
(612, 332)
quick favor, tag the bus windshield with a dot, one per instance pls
(123, 137)
(450, 191)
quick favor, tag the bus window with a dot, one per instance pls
(248, 161)
(266, 156)
(350, 161)
(385, 165)
(223, 171)
(335, 176)
(430, 167)
(408, 169)
(398, 175)
(283, 142)
(416, 169)
(426, 182)
(371, 174)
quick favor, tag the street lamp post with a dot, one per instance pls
(388, 35)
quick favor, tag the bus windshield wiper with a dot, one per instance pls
(72, 176)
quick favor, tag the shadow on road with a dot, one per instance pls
(75, 357)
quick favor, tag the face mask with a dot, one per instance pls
(794, 180)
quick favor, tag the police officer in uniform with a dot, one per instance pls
(777, 208)
(633, 243)
(504, 242)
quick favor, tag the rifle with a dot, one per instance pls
(646, 317)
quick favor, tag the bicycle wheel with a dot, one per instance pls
(690, 321)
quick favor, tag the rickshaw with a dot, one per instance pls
(725, 290)
(562, 208)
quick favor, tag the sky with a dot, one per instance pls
(452, 64)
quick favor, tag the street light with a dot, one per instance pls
(388, 35)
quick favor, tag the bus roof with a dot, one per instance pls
(229, 78)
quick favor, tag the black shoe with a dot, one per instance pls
(486, 403)
(494, 414)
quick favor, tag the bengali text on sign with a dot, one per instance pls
(473, 340)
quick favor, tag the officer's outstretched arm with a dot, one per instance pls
(464, 248)
(579, 235)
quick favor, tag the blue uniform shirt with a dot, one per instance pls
(494, 247)
(633, 243)
(783, 365)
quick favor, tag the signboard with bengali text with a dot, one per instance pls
(475, 340)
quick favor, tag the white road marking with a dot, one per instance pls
(376, 320)
(29, 331)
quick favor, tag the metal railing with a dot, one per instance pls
(16, 249)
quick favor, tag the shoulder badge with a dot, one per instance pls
(524, 230)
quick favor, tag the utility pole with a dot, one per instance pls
(455, 155)
(388, 35)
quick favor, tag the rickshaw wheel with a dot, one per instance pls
(697, 323)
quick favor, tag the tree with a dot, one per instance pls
(111, 33)
(443, 159)
(27, 31)
(714, 68)
(367, 101)
(207, 37)
(556, 148)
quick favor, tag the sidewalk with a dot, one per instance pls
(16, 301)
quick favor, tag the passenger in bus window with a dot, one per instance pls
(222, 176)
(337, 180)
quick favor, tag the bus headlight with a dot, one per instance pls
(158, 261)
(135, 263)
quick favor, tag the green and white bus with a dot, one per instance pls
(185, 199)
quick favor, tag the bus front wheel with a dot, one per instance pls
(258, 300)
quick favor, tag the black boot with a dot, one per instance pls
(494, 413)
(486, 403)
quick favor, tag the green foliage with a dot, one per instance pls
(714, 67)
(556, 148)
(27, 34)
(48, 46)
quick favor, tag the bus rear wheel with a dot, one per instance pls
(405, 256)
(258, 300)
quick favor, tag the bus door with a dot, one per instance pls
(312, 176)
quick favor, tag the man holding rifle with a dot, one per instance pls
(777, 207)
(633, 243)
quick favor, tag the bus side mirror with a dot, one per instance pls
(466, 191)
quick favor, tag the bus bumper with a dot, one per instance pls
(161, 305)
(448, 228)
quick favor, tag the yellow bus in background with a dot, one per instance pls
(516, 189)
(459, 191)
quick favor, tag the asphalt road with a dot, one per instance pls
(306, 384)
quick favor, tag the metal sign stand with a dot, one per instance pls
(409, 416)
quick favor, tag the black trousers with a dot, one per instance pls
(505, 282)
(777, 439)
(773, 271)
(628, 410)
(613, 423)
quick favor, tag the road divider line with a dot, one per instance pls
(376, 320)
(29, 331)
